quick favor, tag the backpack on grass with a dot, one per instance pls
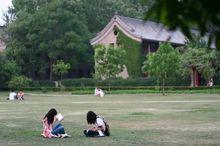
(107, 129)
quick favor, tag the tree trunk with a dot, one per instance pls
(61, 78)
(192, 77)
(109, 86)
(163, 86)
(51, 69)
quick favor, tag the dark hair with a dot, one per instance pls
(50, 115)
(91, 117)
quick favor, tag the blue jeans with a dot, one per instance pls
(58, 129)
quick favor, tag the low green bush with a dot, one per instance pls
(44, 89)
(216, 80)
(81, 82)
(85, 82)
(42, 83)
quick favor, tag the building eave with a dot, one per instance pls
(115, 22)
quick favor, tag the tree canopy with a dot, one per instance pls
(45, 31)
(109, 61)
(196, 54)
(163, 64)
(60, 68)
(40, 32)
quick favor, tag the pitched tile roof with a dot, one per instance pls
(141, 29)
(153, 31)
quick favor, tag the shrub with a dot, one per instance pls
(19, 82)
(90, 82)
(46, 83)
(44, 89)
(216, 80)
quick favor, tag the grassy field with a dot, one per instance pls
(135, 119)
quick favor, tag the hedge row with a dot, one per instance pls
(43, 83)
(121, 88)
(85, 82)
(139, 83)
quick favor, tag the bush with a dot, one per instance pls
(44, 89)
(19, 82)
(81, 82)
(90, 82)
(216, 80)
(45, 83)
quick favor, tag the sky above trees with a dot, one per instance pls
(3, 7)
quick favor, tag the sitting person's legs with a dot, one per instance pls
(91, 133)
(58, 129)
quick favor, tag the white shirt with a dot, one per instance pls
(12, 96)
(100, 123)
(99, 92)
(96, 92)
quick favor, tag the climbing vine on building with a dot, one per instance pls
(133, 59)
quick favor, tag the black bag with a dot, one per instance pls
(107, 129)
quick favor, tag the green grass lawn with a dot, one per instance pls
(135, 119)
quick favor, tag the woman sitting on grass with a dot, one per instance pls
(20, 95)
(51, 127)
(100, 127)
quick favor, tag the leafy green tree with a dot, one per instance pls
(60, 68)
(184, 14)
(163, 64)
(99, 12)
(7, 70)
(40, 32)
(44, 32)
(19, 82)
(109, 61)
(198, 56)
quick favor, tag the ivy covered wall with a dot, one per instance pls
(133, 57)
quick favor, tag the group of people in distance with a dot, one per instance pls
(16, 96)
(52, 128)
(20, 95)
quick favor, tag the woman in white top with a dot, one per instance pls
(99, 92)
(98, 125)
(12, 95)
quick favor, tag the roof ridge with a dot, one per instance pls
(142, 20)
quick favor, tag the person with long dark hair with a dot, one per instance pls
(50, 126)
(99, 126)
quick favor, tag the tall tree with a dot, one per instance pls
(163, 64)
(8, 69)
(44, 32)
(99, 12)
